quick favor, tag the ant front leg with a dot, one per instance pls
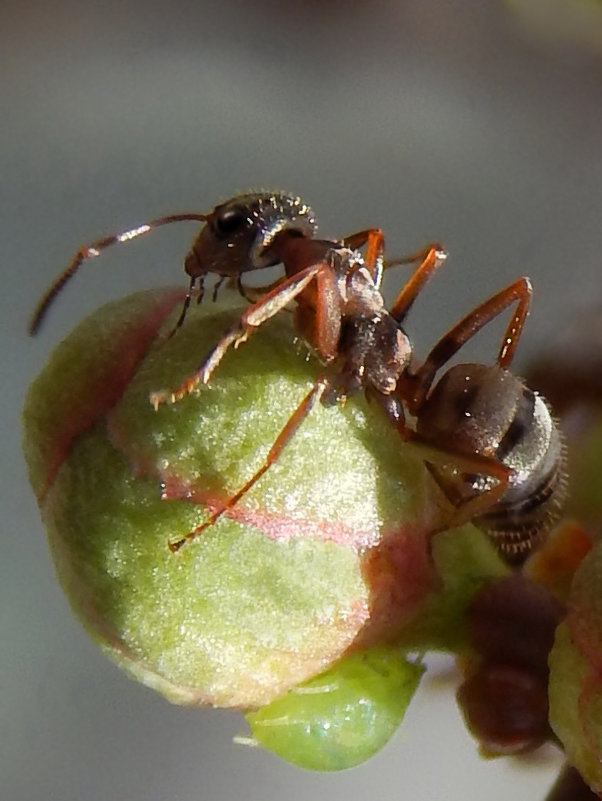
(186, 304)
(252, 293)
(283, 438)
(519, 292)
(252, 318)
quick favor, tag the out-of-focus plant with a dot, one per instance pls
(576, 22)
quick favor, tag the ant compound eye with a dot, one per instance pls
(229, 220)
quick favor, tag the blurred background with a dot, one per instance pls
(476, 124)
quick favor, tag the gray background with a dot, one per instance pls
(432, 119)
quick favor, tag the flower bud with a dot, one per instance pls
(328, 550)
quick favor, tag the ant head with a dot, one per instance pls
(239, 233)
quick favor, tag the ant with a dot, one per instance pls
(490, 443)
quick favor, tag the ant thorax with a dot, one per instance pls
(358, 288)
(373, 350)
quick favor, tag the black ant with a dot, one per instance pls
(491, 443)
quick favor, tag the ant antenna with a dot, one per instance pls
(93, 250)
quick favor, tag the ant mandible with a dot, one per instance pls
(491, 444)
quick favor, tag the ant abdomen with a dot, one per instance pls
(486, 410)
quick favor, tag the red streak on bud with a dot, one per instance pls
(401, 575)
(103, 387)
(395, 564)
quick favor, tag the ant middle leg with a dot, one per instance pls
(187, 302)
(283, 438)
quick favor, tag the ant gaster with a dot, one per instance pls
(490, 443)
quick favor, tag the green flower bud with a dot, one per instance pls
(328, 549)
(329, 553)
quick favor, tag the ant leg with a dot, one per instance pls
(327, 318)
(251, 319)
(429, 260)
(471, 463)
(241, 289)
(283, 438)
(186, 304)
(217, 287)
(433, 451)
(374, 240)
(520, 292)
(93, 250)
(252, 293)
